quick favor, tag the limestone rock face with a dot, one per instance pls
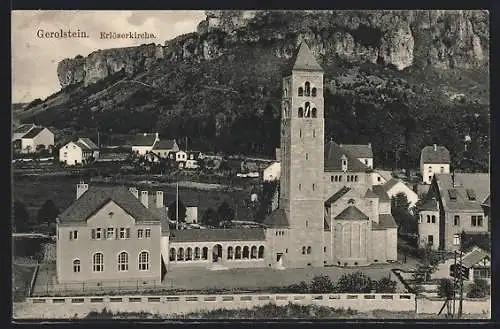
(401, 38)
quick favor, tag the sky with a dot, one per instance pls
(34, 59)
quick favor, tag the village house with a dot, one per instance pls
(165, 146)
(433, 160)
(395, 186)
(361, 152)
(272, 172)
(144, 143)
(80, 151)
(22, 130)
(476, 264)
(454, 204)
(35, 138)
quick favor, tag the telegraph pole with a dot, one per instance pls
(455, 273)
(177, 206)
(461, 287)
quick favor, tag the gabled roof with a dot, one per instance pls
(437, 154)
(429, 205)
(165, 144)
(24, 128)
(382, 194)
(359, 150)
(486, 201)
(33, 132)
(89, 144)
(391, 183)
(474, 257)
(277, 218)
(384, 221)
(214, 235)
(337, 195)
(351, 213)
(303, 60)
(333, 159)
(370, 194)
(326, 227)
(455, 196)
(143, 140)
(479, 182)
(96, 197)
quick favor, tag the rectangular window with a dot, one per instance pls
(110, 233)
(313, 187)
(456, 220)
(307, 156)
(92, 234)
(473, 221)
(456, 239)
(122, 233)
(331, 178)
(300, 186)
(430, 240)
(148, 233)
(479, 221)
(140, 233)
(314, 133)
(127, 233)
(98, 233)
(300, 133)
(420, 219)
(433, 219)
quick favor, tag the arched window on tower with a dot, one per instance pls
(313, 92)
(307, 88)
(307, 110)
(314, 112)
(301, 91)
(351, 202)
(301, 112)
(285, 92)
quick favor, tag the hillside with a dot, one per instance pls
(397, 79)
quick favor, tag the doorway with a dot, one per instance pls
(217, 253)
(279, 259)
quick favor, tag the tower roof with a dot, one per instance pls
(304, 60)
(351, 213)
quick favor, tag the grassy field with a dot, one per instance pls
(21, 280)
(34, 191)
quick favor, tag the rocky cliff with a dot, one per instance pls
(425, 38)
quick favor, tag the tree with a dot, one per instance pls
(446, 289)
(225, 214)
(47, 213)
(430, 260)
(385, 285)
(479, 289)
(322, 284)
(399, 209)
(21, 218)
(172, 212)
(210, 218)
(356, 282)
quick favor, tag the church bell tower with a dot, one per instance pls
(302, 159)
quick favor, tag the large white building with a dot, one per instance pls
(78, 152)
(434, 159)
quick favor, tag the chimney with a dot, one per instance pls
(81, 188)
(159, 199)
(144, 198)
(134, 191)
(435, 147)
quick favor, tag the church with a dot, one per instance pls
(328, 214)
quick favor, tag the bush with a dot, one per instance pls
(322, 284)
(385, 285)
(446, 289)
(356, 282)
(479, 289)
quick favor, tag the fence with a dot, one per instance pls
(51, 306)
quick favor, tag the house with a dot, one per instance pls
(475, 264)
(144, 143)
(272, 172)
(434, 159)
(453, 205)
(110, 234)
(35, 138)
(395, 186)
(78, 152)
(361, 152)
(22, 130)
(191, 214)
(191, 164)
(380, 177)
(194, 155)
(164, 147)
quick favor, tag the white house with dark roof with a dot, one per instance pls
(78, 152)
(22, 130)
(434, 159)
(144, 143)
(395, 186)
(476, 264)
(36, 137)
(165, 146)
(362, 152)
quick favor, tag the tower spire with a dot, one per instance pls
(304, 60)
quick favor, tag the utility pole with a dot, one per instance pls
(177, 206)
(461, 287)
(454, 280)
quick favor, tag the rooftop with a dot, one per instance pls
(333, 159)
(474, 257)
(435, 154)
(384, 221)
(465, 194)
(23, 129)
(165, 144)
(351, 213)
(213, 235)
(359, 150)
(143, 140)
(337, 195)
(33, 132)
(304, 60)
(277, 218)
(381, 192)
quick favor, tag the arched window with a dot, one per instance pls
(356, 178)
(301, 112)
(428, 218)
(238, 252)
(433, 218)
(204, 255)
(172, 254)
(180, 254)
(144, 261)
(98, 262)
(307, 110)
(313, 92)
(285, 92)
(253, 252)
(246, 252)
(189, 254)
(307, 88)
(336, 178)
(351, 202)
(308, 250)
(76, 266)
(314, 112)
(230, 253)
(303, 250)
(197, 253)
(348, 178)
(122, 261)
(261, 252)
(301, 91)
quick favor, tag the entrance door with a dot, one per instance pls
(279, 259)
(217, 253)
